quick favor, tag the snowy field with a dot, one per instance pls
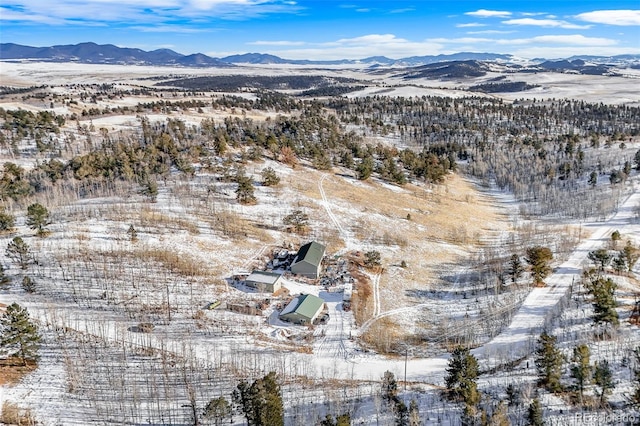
(96, 287)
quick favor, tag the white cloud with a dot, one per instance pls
(7, 14)
(138, 11)
(552, 52)
(547, 23)
(570, 40)
(369, 38)
(612, 17)
(176, 29)
(405, 10)
(574, 40)
(470, 24)
(389, 45)
(490, 32)
(483, 13)
(277, 43)
(360, 47)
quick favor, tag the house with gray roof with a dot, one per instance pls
(308, 261)
(264, 282)
(303, 309)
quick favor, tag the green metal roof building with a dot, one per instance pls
(304, 309)
(308, 260)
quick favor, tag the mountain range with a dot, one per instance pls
(93, 53)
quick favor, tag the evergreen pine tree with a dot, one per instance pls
(619, 264)
(534, 414)
(515, 268)
(269, 177)
(549, 362)
(244, 192)
(462, 373)
(4, 280)
(343, 420)
(513, 395)
(365, 168)
(389, 387)
(245, 399)
(261, 402)
(19, 252)
(7, 221)
(272, 410)
(630, 254)
(38, 218)
(604, 301)
(538, 258)
(601, 258)
(603, 378)
(28, 284)
(401, 413)
(581, 370)
(615, 237)
(297, 221)
(218, 409)
(133, 234)
(18, 334)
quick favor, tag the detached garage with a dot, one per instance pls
(264, 282)
(304, 309)
(308, 260)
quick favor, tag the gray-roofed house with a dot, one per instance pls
(308, 261)
(264, 282)
(303, 309)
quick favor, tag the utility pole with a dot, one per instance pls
(168, 305)
(406, 355)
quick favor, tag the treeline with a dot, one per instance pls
(8, 90)
(543, 152)
(236, 83)
(507, 86)
(160, 148)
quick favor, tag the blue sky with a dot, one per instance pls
(332, 29)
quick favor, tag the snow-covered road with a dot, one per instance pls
(517, 339)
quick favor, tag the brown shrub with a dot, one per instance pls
(13, 415)
(383, 336)
(361, 299)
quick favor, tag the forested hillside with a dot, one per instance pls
(132, 214)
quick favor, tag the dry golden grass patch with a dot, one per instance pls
(223, 259)
(384, 335)
(236, 227)
(362, 297)
(154, 219)
(178, 263)
(442, 210)
(12, 414)
(446, 225)
(12, 370)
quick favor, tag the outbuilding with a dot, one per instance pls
(303, 309)
(308, 261)
(264, 282)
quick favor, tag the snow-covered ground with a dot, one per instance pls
(84, 307)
